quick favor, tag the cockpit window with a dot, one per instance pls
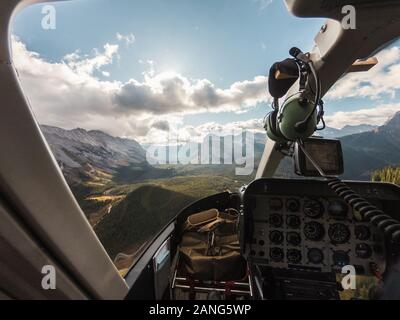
(148, 106)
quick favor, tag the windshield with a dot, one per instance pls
(150, 105)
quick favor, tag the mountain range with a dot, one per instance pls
(92, 155)
(329, 132)
(83, 154)
(368, 151)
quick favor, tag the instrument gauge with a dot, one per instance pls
(294, 256)
(338, 209)
(362, 232)
(293, 238)
(275, 204)
(313, 209)
(293, 205)
(363, 251)
(339, 233)
(315, 256)
(314, 231)
(293, 221)
(276, 237)
(276, 220)
(276, 254)
(340, 258)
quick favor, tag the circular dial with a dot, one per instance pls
(293, 238)
(276, 237)
(293, 221)
(363, 251)
(340, 258)
(314, 231)
(293, 205)
(276, 254)
(339, 233)
(315, 256)
(362, 232)
(338, 209)
(276, 220)
(294, 255)
(313, 208)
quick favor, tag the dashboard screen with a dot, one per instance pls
(326, 153)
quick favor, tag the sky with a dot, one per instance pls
(150, 69)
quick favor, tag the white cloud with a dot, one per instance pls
(263, 4)
(170, 92)
(87, 65)
(175, 131)
(65, 93)
(162, 125)
(128, 39)
(69, 94)
(382, 80)
(373, 116)
(226, 128)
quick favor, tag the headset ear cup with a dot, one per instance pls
(273, 131)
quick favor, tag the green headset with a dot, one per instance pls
(299, 115)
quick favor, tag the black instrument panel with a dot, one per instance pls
(314, 233)
(301, 224)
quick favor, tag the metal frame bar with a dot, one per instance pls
(38, 191)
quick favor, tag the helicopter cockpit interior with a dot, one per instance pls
(303, 238)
